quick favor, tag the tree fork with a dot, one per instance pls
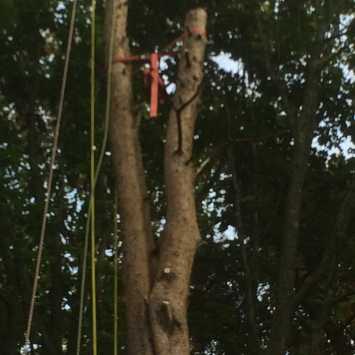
(156, 301)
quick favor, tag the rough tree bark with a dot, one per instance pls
(131, 190)
(156, 297)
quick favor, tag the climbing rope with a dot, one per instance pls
(115, 280)
(98, 169)
(92, 176)
(50, 177)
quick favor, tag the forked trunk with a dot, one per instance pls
(156, 301)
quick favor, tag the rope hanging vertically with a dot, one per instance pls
(115, 280)
(50, 176)
(97, 173)
(92, 175)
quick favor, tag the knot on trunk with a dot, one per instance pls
(167, 317)
(168, 275)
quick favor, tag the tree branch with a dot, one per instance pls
(342, 221)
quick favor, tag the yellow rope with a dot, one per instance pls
(92, 179)
(83, 280)
(115, 281)
(98, 169)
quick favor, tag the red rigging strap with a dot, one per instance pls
(156, 82)
(152, 75)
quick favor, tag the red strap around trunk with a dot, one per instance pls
(156, 82)
(154, 86)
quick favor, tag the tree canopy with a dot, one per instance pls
(279, 77)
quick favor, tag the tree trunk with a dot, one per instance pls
(303, 139)
(168, 305)
(156, 298)
(250, 283)
(131, 191)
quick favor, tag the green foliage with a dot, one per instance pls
(242, 112)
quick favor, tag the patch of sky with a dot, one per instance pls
(227, 64)
(72, 195)
(73, 270)
(262, 290)
(60, 6)
(69, 257)
(232, 66)
(348, 73)
(236, 67)
(161, 226)
(229, 234)
(345, 147)
(109, 252)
